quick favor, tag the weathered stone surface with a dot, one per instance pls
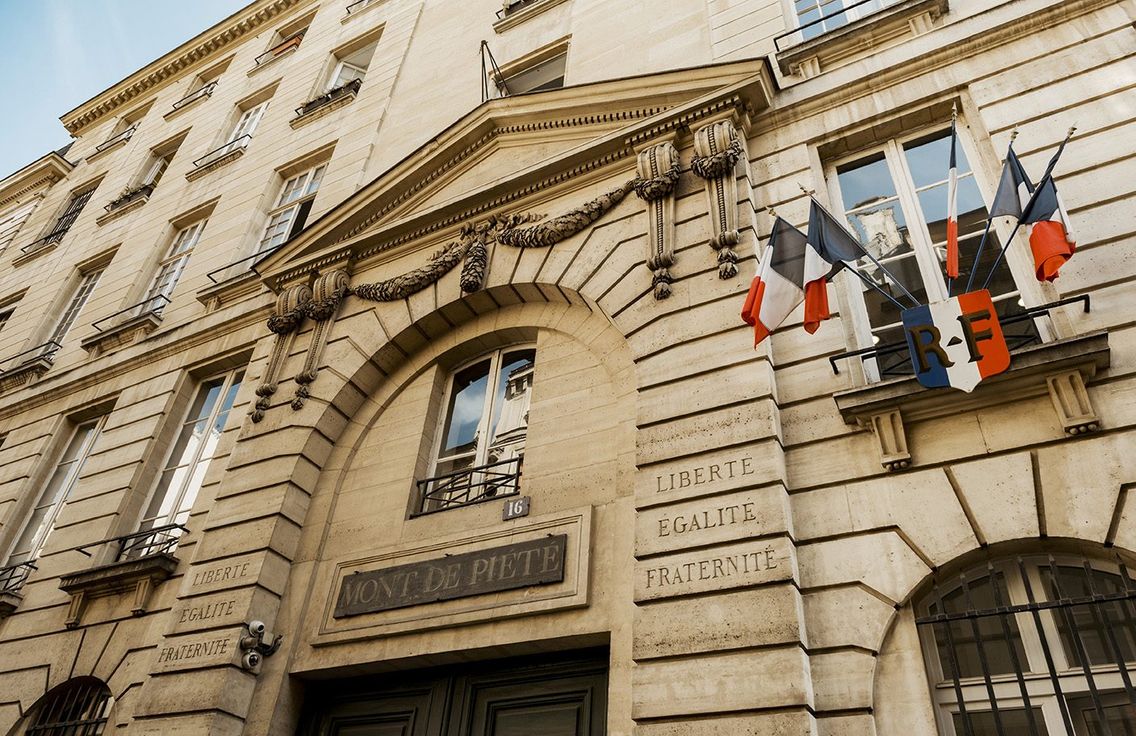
(737, 565)
(711, 520)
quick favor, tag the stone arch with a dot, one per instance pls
(57, 706)
(901, 690)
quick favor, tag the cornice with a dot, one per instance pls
(214, 39)
(44, 171)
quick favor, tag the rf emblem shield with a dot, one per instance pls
(957, 342)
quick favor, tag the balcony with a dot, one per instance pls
(143, 560)
(470, 486)
(125, 326)
(192, 97)
(514, 12)
(130, 199)
(331, 100)
(12, 578)
(39, 247)
(857, 28)
(27, 366)
(113, 142)
(359, 5)
(218, 157)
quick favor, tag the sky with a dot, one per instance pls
(56, 54)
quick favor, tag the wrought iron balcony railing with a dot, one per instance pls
(159, 540)
(830, 21)
(286, 45)
(150, 305)
(129, 196)
(470, 485)
(116, 139)
(46, 351)
(217, 154)
(512, 6)
(358, 5)
(328, 97)
(197, 94)
(232, 269)
(12, 577)
(892, 359)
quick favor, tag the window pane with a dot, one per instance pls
(1121, 719)
(930, 159)
(971, 209)
(511, 405)
(882, 229)
(962, 632)
(1013, 721)
(881, 310)
(1089, 620)
(865, 182)
(467, 400)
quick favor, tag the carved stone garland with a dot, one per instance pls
(717, 148)
(327, 293)
(291, 306)
(658, 172)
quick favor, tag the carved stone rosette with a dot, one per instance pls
(327, 293)
(717, 148)
(291, 306)
(658, 169)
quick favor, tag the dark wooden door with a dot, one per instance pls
(566, 697)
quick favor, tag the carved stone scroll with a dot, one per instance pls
(658, 168)
(327, 293)
(717, 148)
(892, 440)
(291, 307)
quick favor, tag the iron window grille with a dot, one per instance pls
(45, 351)
(156, 541)
(64, 222)
(470, 486)
(13, 577)
(79, 707)
(358, 5)
(150, 306)
(1042, 645)
(513, 6)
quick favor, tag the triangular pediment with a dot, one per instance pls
(518, 145)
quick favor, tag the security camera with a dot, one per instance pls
(257, 628)
(251, 660)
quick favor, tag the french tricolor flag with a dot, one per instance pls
(776, 290)
(831, 248)
(952, 210)
(1051, 239)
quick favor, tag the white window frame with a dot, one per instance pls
(851, 15)
(63, 489)
(500, 86)
(248, 121)
(185, 495)
(79, 298)
(13, 220)
(1035, 670)
(930, 269)
(159, 163)
(171, 267)
(296, 191)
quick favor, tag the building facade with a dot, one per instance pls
(361, 377)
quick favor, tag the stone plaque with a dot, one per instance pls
(537, 562)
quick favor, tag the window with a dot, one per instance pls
(194, 447)
(78, 707)
(481, 441)
(12, 221)
(70, 213)
(87, 283)
(285, 40)
(350, 64)
(895, 200)
(170, 268)
(202, 85)
(1068, 648)
(155, 168)
(534, 77)
(123, 129)
(817, 17)
(41, 521)
(292, 207)
(5, 315)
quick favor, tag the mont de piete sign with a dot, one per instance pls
(536, 562)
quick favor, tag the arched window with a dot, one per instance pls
(481, 440)
(1033, 645)
(78, 707)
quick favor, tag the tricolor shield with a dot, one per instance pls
(957, 342)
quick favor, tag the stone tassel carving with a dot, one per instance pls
(717, 148)
(291, 306)
(658, 171)
(327, 293)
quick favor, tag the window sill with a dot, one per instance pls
(138, 575)
(908, 17)
(34, 253)
(344, 97)
(269, 62)
(232, 289)
(524, 14)
(9, 602)
(24, 373)
(228, 158)
(129, 204)
(126, 332)
(1059, 368)
(100, 152)
(192, 103)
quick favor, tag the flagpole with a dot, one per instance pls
(954, 142)
(863, 278)
(868, 255)
(1029, 205)
(989, 222)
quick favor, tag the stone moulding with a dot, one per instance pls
(290, 308)
(200, 171)
(124, 333)
(1058, 369)
(24, 373)
(139, 576)
(658, 168)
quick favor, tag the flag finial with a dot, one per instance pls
(954, 111)
(1013, 135)
(771, 211)
(806, 192)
